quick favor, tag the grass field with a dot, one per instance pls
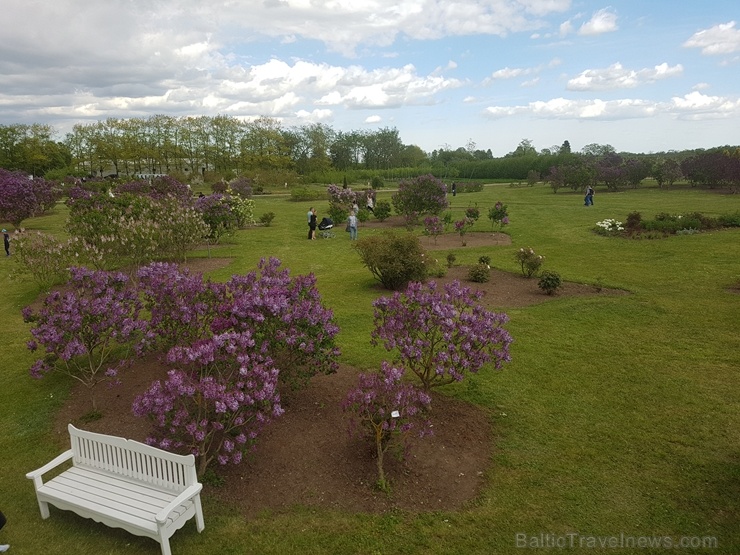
(619, 417)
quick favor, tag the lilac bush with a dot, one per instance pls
(43, 257)
(499, 215)
(216, 211)
(181, 306)
(433, 226)
(216, 400)
(424, 194)
(387, 410)
(287, 319)
(441, 334)
(17, 197)
(90, 331)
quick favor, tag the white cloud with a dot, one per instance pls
(373, 119)
(693, 106)
(696, 106)
(617, 77)
(603, 21)
(720, 39)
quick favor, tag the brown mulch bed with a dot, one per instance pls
(306, 457)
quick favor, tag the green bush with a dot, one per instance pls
(363, 215)
(479, 273)
(382, 210)
(266, 218)
(550, 282)
(377, 182)
(451, 260)
(394, 260)
(485, 260)
(729, 220)
(301, 194)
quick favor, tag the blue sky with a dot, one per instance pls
(643, 76)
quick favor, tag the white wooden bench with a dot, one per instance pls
(123, 484)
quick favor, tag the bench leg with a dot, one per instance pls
(44, 508)
(164, 541)
(199, 521)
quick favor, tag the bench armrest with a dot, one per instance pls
(190, 491)
(35, 475)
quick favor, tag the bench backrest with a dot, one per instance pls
(135, 460)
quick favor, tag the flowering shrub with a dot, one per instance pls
(243, 210)
(21, 197)
(43, 257)
(341, 201)
(129, 228)
(472, 213)
(499, 215)
(89, 332)
(440, 335)
(461, 227)
(387, 410)
(181, 306)
(424, 195)
(215, 402)
(242, 187)
(394, 260)
(217, 212)
(158, 188)
(433, 226)
(285, 317)
(529, 261)
(609, 227)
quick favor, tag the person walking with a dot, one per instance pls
(308, 220)
(312, 225)
(590, 196)
(6, 239)
(370, 204)
(352, 226)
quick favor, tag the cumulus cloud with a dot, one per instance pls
(720, 39)
(603, 21)
(373, 119)
(618, 77)
(692, 106)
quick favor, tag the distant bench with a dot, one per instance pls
(123, 484)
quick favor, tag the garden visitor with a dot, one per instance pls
(6, 238)
(589, 200)
(454, 188)
(3, 520)
(308, 220)
(370, 203)
(312, 224)
(352, 226)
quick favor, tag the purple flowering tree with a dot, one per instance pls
(499, 215)
(387, 411)
(287, 319)
(91, 331)
(441, 334)
(216, 400)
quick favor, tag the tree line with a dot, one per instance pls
(224, 147)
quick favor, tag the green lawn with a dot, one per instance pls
(617, 416)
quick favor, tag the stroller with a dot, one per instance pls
(325, 226)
